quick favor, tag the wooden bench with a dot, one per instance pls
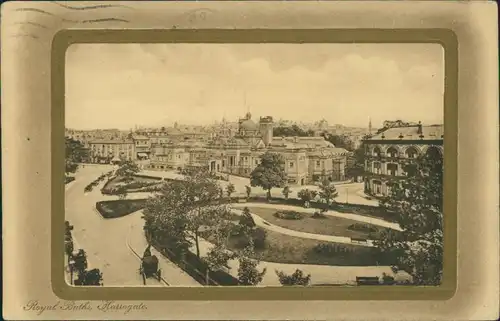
(367, 280)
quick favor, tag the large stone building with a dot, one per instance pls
(307, 158)
(387, 153)
(112, 151)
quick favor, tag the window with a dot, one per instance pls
(392, 169)
(291, 164)
(411, 152)
(256, 162)
(318, 163)
(392, 152)
(376, 167)
(376, 151)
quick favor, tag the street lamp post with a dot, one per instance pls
(347, 198)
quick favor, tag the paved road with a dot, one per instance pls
(350, 193)
(105, 241)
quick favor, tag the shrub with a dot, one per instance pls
(319, 215)
(258, 236)
(289, 215)
(297, 278)
(119, 208)
(246, 220)
(361, 227)
(68, 179)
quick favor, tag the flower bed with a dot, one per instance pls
(289, 215)
(364, 228)
(119, 208)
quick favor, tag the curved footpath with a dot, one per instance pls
(259, 221)
(350, 216)
(105, 240)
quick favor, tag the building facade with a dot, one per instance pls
(111, 151)
(388, 152)
(307, 159)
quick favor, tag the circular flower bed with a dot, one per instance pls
(289, 215)
(360, 227)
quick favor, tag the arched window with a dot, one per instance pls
(377, 187)
(433, 152)
(411, 152)
(377, 167)
(392, 152)
(376, 151)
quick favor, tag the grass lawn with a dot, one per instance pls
(327, 225)
(281, 248)
(119, 208)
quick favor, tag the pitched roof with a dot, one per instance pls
(433, 132)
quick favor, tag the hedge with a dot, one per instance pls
(119, 208)
(196, 267)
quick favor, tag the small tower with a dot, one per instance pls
(370, 126)
(266, 129)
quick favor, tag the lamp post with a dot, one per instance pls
(347, 197)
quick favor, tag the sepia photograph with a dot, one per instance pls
(265, 165)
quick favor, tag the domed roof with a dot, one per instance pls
(249, 125)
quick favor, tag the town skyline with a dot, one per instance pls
(147, 85)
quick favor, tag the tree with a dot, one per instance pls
(218, 256)
(230, 189)
(340, 141)
(80, 261)
(269, 173)
(248, 274)
(307, 195)
(248, 190)
(417, 203)
(297, 278)
(246, 222)
(286, 191)
(327, 192)
(75, 153)
(127, 170)
(177, 213)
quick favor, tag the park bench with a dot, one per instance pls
(367, 280)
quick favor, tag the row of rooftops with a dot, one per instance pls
(411, 132)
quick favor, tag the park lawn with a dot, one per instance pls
(328, 225)
(119, 208)
(281, 248)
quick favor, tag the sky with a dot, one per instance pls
(124, 85)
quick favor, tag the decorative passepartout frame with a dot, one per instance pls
(35, 36)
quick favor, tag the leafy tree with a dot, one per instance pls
(230, 189)
(177, 213)
(127, 170)
(307, 195)
(246, 220)
(289, 131)
(248, 190)
(269, 173)
(417, 203)
(248, 273)
(286, 191)
(80, 261)
(297, 278)
(340, 141)
(218, 256)
(327, 192)
(75, 153)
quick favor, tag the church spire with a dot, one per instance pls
(369, 126)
